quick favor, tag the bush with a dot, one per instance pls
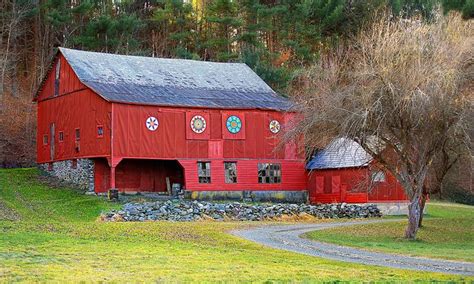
(458, 194)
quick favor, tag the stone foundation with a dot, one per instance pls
(81, 176)
(247, 195)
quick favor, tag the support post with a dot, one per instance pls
(113, 192)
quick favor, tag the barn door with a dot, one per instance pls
(53, 138)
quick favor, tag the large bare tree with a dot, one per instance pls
(401, 88)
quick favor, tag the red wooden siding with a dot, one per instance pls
(294, 176)
(350, 185)
(133, 140)
(82, 110)
(68, 80)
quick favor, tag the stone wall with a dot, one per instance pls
(254, 196)
(185, 210)
(81, 176)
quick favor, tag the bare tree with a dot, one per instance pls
(11, 16)
(401, 89)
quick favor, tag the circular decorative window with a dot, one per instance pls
(152, 123)
(234, 124)
(274, 126)
(198, 124)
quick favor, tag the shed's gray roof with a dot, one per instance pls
(340, 153)
(173, 82)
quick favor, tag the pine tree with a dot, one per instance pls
(222, 31)
(175, 22)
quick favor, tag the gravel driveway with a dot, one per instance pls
(288, 237)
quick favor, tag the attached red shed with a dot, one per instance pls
(345, 172)
(133, 123)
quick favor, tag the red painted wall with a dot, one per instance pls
(172, 139)
(350, 185)
(68, 80)
(83, 110)
(294, 176)
(75, 107)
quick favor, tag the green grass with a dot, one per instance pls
(448, 233)
(55, 236)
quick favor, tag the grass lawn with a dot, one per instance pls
(448, 233)
(52, 234)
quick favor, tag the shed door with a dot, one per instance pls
(51, 134)
(319, 185)
(336, 184)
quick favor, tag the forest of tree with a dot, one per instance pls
(276, 38)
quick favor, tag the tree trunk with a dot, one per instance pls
(424, 196)
(413, 217)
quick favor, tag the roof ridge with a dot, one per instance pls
(150, 57)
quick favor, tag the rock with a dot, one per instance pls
(182, 210)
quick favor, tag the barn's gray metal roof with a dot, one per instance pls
(340, 153)
(173, 82)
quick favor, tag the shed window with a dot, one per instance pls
(74, 164)
(78, 134)
(204, 172)
(100, 131)
(269, 173)
(45, 139)
(61, 136)
(378, 176)
(230, 172)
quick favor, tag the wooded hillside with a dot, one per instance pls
(275, 38)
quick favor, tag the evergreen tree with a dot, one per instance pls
(222, 31)
(176, 23)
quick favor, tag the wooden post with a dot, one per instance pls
(113, 192)
(168, 185)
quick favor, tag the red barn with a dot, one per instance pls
(345, 172)
(137, 124)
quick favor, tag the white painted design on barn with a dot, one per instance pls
(274, 126)
(198, 124)
(152, 123)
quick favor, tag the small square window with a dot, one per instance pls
(74, 163)
(230, 172)
(204, 172)
(45, 139)
(61, 136)
(269, 173)
(78, 134)
(100, 131)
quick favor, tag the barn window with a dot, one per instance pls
(45, 139)
(78, 134)
(74, 164)
(61, 136)
(230, 172)
(204, 172)
(56, 78)
(269, 173)
(100, 131)
(378, 176)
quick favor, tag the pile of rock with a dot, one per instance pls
(179, 210)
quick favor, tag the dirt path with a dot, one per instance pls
(288, 237)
